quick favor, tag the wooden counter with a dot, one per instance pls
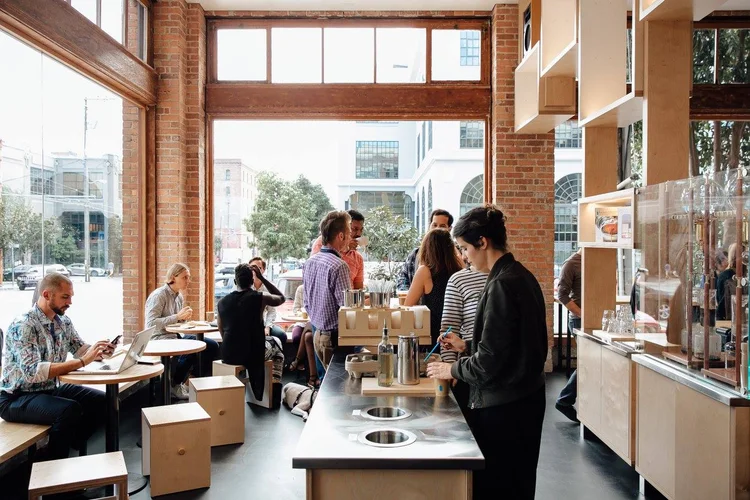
(607, 393)
(693, 439)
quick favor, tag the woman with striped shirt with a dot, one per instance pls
(459, 308)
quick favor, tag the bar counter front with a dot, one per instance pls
(423, 449)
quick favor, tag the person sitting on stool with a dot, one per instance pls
(34, 355)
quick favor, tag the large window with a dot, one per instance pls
(429, 197)
(60, 132)
(399, 202)
(473, 194)
(567, 192)
(568, 135)
(355, 51)
(733, 61)
(377, 160)
(425, 222)
(472, 135)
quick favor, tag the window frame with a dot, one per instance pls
(461, 24)
(463, 134)
(375, 147)
(461, 48)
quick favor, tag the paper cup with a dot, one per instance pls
(442, 387)
(396, 320)
(351, 319)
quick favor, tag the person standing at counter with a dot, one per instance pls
(350, 254)
(569, 295)
(438, 261)
(326, 279)
(505, 371)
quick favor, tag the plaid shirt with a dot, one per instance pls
(32, 343)
(407, 271)
(326, 279)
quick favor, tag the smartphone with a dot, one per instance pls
(115, 340)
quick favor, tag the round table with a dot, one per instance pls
(295, 319)
(165, 349)
(136, 482)
(199, 331)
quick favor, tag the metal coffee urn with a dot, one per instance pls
(408, 359)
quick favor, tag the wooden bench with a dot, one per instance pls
(15, 437)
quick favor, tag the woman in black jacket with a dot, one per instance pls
(505, 373)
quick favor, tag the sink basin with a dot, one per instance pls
(385, 413)
(387, 438)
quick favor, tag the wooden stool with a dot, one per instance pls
(268, 400)
(176, 447)
(70, 474)
(220, 369)
(223, 399)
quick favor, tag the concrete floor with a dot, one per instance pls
(261, 468)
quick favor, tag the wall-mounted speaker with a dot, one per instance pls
(526, 30)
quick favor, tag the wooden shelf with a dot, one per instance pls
(604, 244)
(541, 104)
(621, 113)
(565, 64)
(722, 375)
(559, 38)
(623, 198)
(678, 10)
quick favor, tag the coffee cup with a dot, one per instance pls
(362, 241)
(442, 387)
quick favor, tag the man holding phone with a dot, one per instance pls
(34, 355)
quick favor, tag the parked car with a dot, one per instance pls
(288, 284)
(10, 273)
(34, 275)
(223, 286)
(224, 268)
(79, 269)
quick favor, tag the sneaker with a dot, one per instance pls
(568, 411)
(179, 392)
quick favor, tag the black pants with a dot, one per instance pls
(74, 412)
(569, 394)
(509, 436)
(187, 362)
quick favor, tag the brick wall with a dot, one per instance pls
(523, 165)
(179, 60)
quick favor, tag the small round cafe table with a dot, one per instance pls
(199, 329)
(166, 349)
(136, 482)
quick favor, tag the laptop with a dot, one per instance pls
(119, 364)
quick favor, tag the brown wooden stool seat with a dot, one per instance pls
(71, 474)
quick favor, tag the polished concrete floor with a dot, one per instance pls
(569, 467)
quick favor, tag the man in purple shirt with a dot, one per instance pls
(326, 279)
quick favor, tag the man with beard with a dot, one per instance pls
(34, 355)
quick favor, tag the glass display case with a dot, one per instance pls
(691, 249)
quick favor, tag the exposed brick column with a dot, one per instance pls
(523, 165)
(179, 58)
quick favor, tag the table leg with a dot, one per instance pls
(166, 379)
(199, 368)
(136, 482)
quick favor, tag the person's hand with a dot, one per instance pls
(353, 244)
(440, 370)
(185, 313)
(95, 351)
(452, 342)
(267, 331)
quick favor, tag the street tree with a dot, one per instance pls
(391, 237)
(320, 202)
(280, 222)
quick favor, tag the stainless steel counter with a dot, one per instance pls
(620, 348)
(695, 381)
(329, 440)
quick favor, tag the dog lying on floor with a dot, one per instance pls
(298, 398)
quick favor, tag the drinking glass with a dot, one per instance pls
(607, 317)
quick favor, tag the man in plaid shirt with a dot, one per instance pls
(326, 279)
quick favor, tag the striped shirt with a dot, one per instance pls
(326, 279)
(459, 310)
(162, 307)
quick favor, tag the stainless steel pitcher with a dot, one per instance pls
(408, 359)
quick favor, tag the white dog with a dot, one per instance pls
(299, 398)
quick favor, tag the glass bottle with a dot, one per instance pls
(385, 360)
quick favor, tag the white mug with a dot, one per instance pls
(362, 241)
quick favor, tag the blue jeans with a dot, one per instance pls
(74, 412)
(569, 394)
(186, 362)
(279, 333)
